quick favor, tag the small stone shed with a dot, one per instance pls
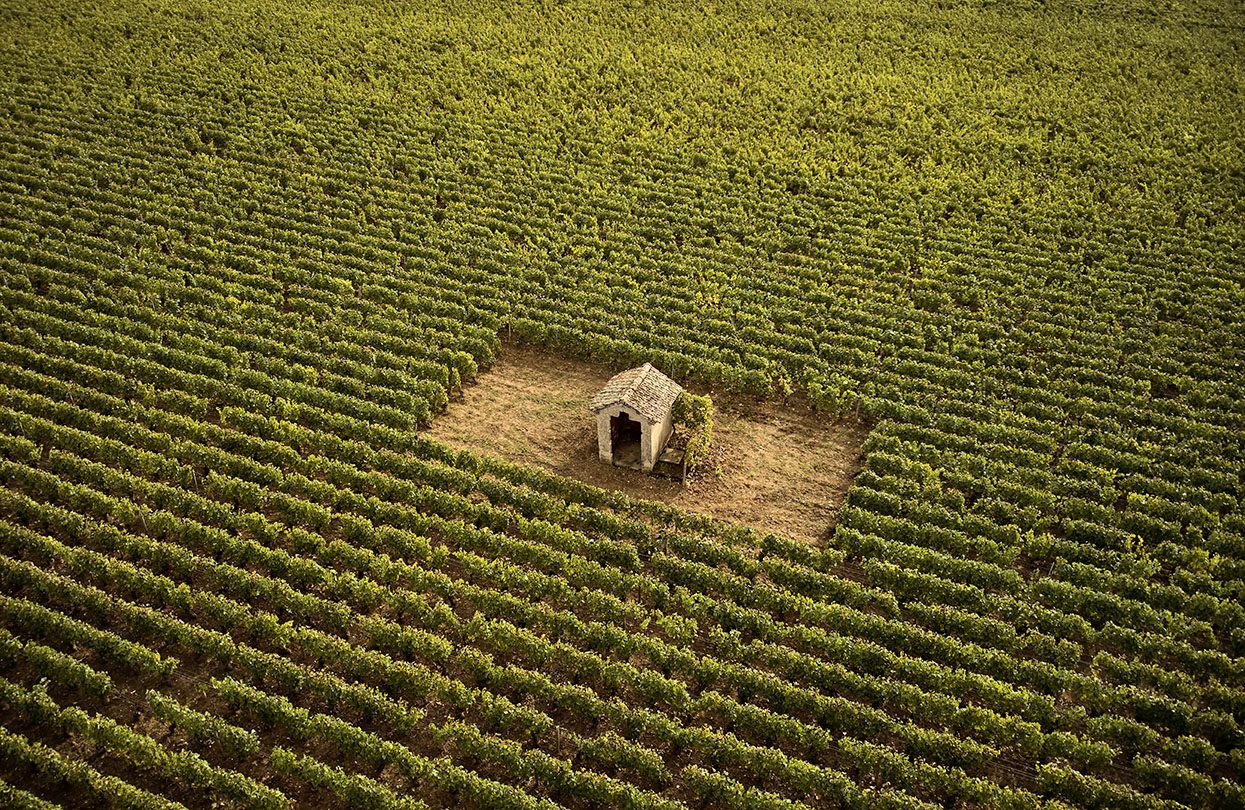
(634, 419)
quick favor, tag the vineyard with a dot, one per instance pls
(250, 250)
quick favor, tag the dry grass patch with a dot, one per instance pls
(776, 468)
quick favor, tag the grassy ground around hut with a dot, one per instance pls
(776, 468)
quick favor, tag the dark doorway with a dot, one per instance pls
(625, 435)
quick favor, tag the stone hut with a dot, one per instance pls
(634, 419)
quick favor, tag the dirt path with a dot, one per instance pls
(783, 470)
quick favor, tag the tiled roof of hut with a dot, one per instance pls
(644, 390)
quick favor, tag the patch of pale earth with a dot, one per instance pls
(776, 469)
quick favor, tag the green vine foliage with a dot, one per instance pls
(248, 251)
(693, 416)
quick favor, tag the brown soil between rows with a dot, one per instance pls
(777, 468)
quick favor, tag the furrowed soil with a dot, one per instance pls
(777, 468)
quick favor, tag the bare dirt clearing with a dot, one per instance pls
(778, 469)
